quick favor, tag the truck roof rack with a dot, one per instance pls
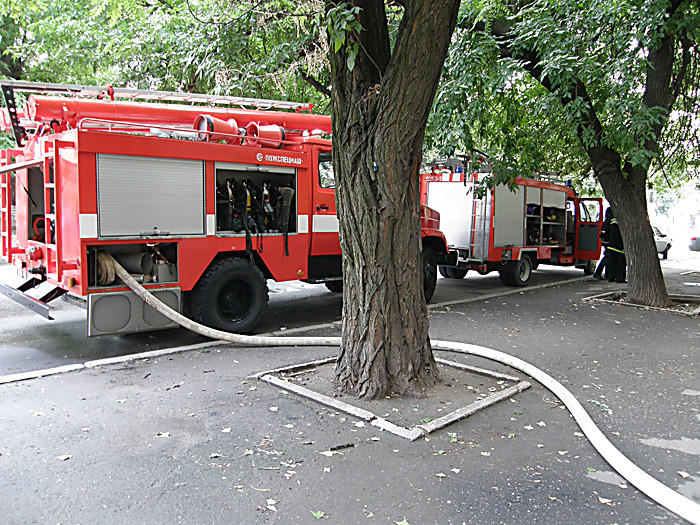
(9, 87)
(139, 94)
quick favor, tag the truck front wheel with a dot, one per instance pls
(452, 273)
(230, 296)
(429, 273)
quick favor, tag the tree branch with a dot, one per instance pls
(314, 83)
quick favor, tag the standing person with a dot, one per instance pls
(616, 265)
(604, 235)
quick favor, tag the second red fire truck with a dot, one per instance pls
(540, 220)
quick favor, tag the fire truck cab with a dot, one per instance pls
(202, 204)
(540, 220)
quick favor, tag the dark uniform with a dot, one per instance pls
(616, 265)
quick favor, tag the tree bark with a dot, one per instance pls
(379, 111)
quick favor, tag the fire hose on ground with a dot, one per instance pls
(654, 489)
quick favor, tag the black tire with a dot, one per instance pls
(665, 252)
(453, 273)
(231, 295)
(335, 286)
(589, 268)
(506, 277)
(522, 270)
(430, 269)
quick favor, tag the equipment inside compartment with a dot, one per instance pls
(255, 203)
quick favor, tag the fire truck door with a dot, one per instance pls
(589, 218)
(324, 260)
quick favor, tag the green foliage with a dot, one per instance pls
(343, 27)
(493, 104)
(252, 48)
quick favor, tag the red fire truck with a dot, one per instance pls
(512, 231)
(202, 203)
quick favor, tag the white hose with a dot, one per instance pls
(663, 495)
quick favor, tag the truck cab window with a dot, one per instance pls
(590, 211)
(326, 177)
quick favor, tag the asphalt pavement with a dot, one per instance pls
(190, 438)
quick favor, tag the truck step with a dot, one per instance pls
(39, 306)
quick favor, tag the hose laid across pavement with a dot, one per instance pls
(663, 495)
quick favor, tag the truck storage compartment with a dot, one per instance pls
(125, 312)
(256, 200)
(147, 262)
(147, 196)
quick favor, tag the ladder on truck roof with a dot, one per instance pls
(20, 123)
(9, 86)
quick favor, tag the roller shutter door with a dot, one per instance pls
(144, 196)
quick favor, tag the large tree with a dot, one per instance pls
(612, 72)
(383, 88)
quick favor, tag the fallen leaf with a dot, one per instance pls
(318, 514)
(528, 427)
(65, 457)
(541, 424)
(248, 452)
(274, 409)
(326, 469)
(360, 424)
(214, 455)
(163, 434)
(486, 454)
(288, 426)
(604, 501)
(226, 430)
(683, 474)
(440, 475)
(563, 452)
(455, 470)
(402, 522)
(329, 453)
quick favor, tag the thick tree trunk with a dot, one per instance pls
(627, 197)
(380, 110)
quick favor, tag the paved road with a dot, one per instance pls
(189, 438)
(30, 342)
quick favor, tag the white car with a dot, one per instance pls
(663, 242)
(695, 243)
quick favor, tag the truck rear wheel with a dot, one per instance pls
(429, 273)
(522, 271)
(230, 296)
(517, 273)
